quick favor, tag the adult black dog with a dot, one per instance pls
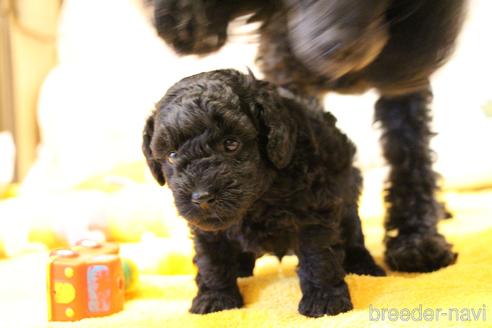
(255, 169)
(350, 46)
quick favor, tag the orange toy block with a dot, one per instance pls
(92, 247)
(85, 281)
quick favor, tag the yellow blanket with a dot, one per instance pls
(448, 297)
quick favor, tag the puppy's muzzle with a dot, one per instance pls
(202, 199)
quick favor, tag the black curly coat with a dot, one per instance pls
(350, 46)
(255, 169)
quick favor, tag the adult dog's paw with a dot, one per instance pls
(418, 252)
(317, 303)
(186, 25)
(214, 301)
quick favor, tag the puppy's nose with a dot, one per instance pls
(202, 198)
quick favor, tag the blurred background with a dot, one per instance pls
(79, 77)
(27, 53)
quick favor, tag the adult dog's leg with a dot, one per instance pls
(217, 264)
(321, 273)
(412, 241)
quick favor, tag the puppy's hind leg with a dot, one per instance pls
(358, 260)
(246, 264)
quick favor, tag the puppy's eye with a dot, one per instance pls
(231, 145)
(171, 157)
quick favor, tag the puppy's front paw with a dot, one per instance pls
(214, 301)
(317, 302)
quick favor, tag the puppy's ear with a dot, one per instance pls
(280, 128)
(155, 166)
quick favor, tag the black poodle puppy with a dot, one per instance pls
(350, 46)
(255, 169)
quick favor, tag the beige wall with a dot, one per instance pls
(32, 25)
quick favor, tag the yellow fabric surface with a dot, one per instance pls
(272, 295)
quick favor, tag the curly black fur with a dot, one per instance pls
(350, 46)
(290, 186)
(406, 135)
